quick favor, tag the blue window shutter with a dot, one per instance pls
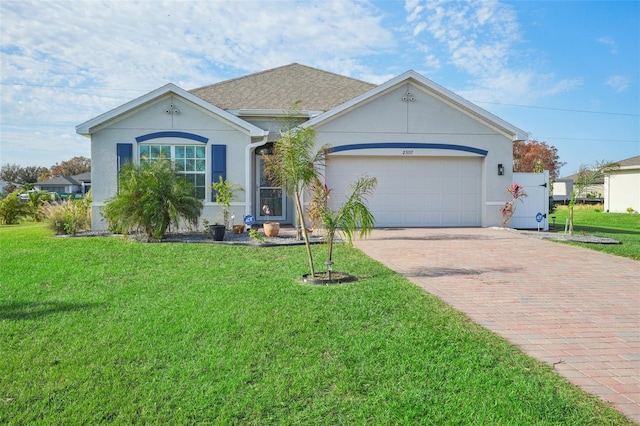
(218, 164)
(124, 153)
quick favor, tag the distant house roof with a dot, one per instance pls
(629, 162)
(573, 177)
(57, 181)
(83, 177)
(67, 180)
(279, 88)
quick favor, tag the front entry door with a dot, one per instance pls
(268, 195)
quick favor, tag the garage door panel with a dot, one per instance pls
(432, 185)
(412, 217)
(393, 202)
(416, 191)
(468, 201)
(434, 218)
(450, 202)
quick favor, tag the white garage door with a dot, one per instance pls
(414, 191)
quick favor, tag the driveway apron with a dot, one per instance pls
(573, 308)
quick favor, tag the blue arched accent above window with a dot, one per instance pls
(406, 145)
(181, 135)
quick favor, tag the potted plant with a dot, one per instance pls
(217, 230)
(224, 191)
(271, 229)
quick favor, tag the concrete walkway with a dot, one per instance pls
(573, 308)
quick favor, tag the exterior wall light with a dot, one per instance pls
(500, 170)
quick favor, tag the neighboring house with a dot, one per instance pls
(78, 184)
(439, 159)
(562, 189)
(622, 187)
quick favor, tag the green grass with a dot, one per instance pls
(102, 330)
(590, 220)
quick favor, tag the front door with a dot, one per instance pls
(268, 195)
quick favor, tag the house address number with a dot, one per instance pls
(407, 152)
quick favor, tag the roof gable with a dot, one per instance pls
(90, 126)
(279, 88)
(434, 89)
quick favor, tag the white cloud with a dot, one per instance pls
(611, 43)
(619, 83)
(64, 62)
(483, 40)
(562, 86)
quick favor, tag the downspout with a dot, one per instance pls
(248, 170)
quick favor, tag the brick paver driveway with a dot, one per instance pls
(576, 309)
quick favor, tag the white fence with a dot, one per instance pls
(533, 211)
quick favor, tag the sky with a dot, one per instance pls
(566, 72)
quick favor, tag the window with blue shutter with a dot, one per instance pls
(218, 164)
(124, 152)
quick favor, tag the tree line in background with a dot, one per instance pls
(18, 176)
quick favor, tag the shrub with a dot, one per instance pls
(151, 197)
(68, 217)
(37, 199)
(12, 209)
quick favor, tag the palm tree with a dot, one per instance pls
(151, 197)
(293, 165)
(354, 214)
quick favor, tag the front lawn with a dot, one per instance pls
(591, 220)
(97, 330)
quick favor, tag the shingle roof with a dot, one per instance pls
(633, 161)
(59, 180)
(67, 180)
(279, 88)
(82, 177)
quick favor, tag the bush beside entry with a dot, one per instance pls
(151, 197)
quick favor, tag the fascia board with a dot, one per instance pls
(630, 167)
(273, 113)
(441, 92)
(88, 127)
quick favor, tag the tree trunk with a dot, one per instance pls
(570, 220)
(305, 234)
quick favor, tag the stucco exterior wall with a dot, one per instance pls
(427, 119)
(152, 118)
(622, 190)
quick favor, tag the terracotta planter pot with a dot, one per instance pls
(271, 229)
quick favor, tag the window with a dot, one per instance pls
(189, 160)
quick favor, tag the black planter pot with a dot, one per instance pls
(217, 231)
(322, 278)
